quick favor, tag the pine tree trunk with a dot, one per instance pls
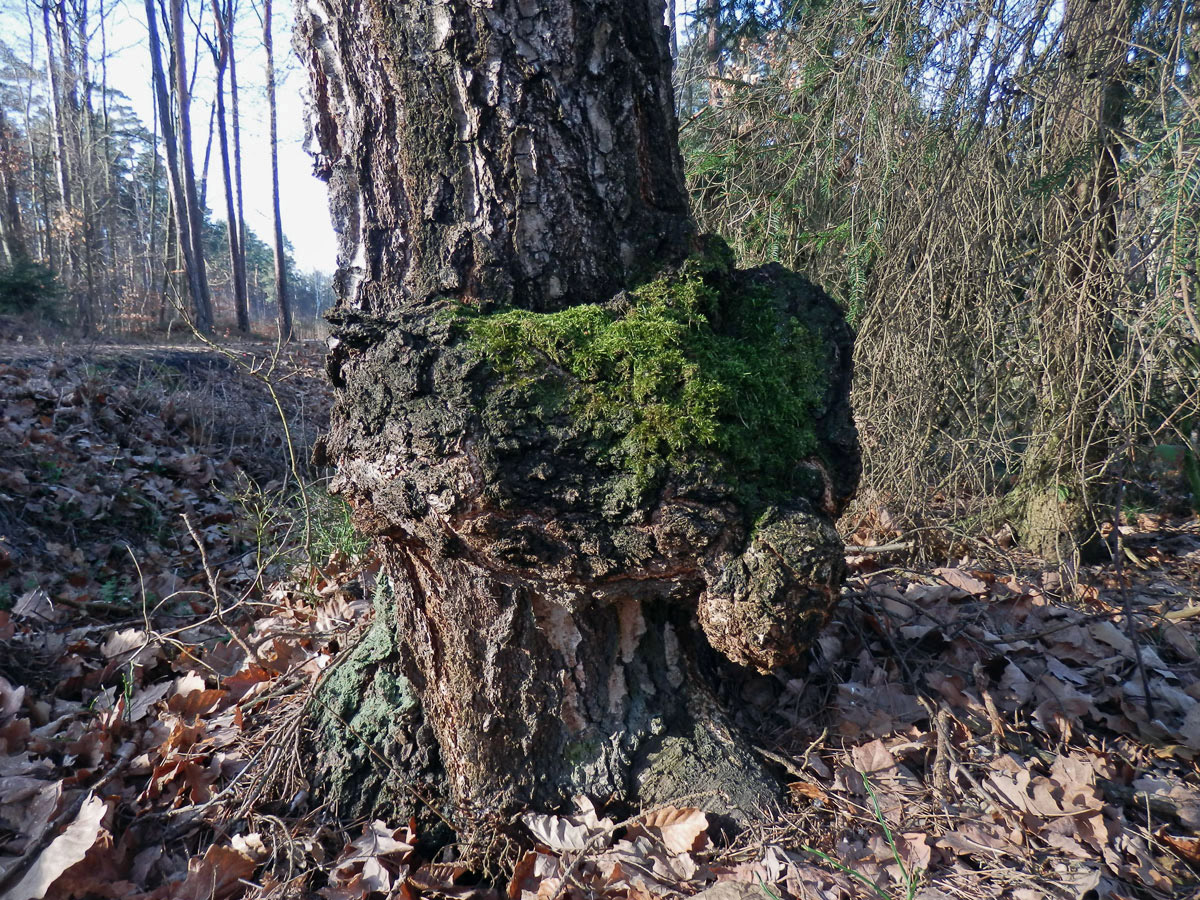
(78, 106)
(282, 291)
(1059, 494)
(223, 14)
(554, 626)
(237, 153)
(12, 233)
(62, 159)
(194, 234)
(185, 246)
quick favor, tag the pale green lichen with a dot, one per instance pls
(690, 367)
(362, 704)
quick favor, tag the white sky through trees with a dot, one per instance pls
(303, 197)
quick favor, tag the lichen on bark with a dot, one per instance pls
(369, 726)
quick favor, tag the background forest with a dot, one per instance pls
(89, 190)
(1002, 195)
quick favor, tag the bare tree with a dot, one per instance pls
(197, 280)
(240, 222)
(282, 293)
(62, 160)
(223, 13)
(193, 213)
(12, 234)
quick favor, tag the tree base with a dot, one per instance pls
(563, 604)
(369, 750)
(372, 753)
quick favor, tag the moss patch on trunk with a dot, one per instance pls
(692, 365)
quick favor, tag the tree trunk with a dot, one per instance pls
(1061, 485)
(282, 294)
(223, 14)
(553, 612)
(197, 288)
(194, 235)
(12, 234)
(237, 152)
(77, 123)
(712, 49)
(62, 161)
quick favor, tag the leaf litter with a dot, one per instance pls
(980, 728)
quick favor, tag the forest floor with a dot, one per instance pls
(174, 582)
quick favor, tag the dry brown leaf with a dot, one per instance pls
(144, 700)
(36, 605)
(979, 839)
(131, 646)
(808, 790)
(733, 890)
(1187, 847)
(63, 852)
(568, 833)
(681, 830)
(964, 581)
(216, 876)
(874, 760)
(376, 860)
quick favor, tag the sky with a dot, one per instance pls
(303, 197)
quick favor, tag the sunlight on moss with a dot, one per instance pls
(684, 368)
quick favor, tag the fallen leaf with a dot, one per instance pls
(560, 833)
(35, 604)
(217, 876)
(808, 790)
(63, 852)
(680, 830)
(964, 581)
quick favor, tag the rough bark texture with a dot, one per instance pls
(552, 618)
(509, 152)
(1058, 500)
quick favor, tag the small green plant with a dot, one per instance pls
(333, 528)
(767, 889)
(112, 594)
(846, 870)
(288, 527)
(128, 689)
(911, 880)
(52, 472)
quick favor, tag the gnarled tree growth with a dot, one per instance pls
(599, 462)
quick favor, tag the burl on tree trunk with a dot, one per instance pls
(599, 462)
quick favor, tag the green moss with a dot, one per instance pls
(689, 368)
(578, 753)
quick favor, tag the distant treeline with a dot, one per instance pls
(104, 221)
